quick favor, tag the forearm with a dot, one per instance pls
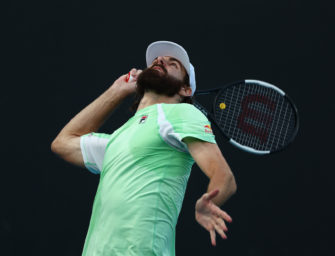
(226, 185)
(91, 118)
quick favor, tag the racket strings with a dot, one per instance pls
(255, 116)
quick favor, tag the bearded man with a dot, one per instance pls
(144, 165)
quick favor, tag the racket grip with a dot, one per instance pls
(129, 78)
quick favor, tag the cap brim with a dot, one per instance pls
(166, 48)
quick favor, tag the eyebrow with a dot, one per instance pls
(174, 59)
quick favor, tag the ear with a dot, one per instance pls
(185, 91)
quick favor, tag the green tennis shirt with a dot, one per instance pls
(144, 167)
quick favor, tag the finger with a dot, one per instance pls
(212, 194)
(133, 72)
(220, 231)
(133, 75)
(225, 216)
(213, 237)
(222, 224)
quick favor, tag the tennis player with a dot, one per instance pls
(144, 165)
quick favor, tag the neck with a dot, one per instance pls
(150, 98)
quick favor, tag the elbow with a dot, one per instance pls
(233, 185)
(56, 146)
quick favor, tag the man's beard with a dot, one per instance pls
(151, 80)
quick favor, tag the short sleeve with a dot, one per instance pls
(181, 121)
(93, 147)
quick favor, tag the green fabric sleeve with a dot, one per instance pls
(188, 121)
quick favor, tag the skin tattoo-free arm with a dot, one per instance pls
(221, 186)
(90, 119)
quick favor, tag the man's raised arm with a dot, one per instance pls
(90, 119)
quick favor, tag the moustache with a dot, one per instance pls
(160, 66)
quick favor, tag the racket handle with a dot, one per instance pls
(129, 78)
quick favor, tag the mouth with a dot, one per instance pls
(159, 69)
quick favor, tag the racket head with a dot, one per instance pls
(256, 116)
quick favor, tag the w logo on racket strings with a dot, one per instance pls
(263, 119)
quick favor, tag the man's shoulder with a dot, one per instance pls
(183, 107)
(184, 111)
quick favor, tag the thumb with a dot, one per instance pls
(211, 195)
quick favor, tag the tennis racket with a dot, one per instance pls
(253, 115)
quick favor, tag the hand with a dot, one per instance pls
(211, 217)
(125, 88)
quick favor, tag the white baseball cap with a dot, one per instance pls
(171, 49)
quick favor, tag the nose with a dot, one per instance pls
(160, 60)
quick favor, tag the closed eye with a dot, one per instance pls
(174, 62)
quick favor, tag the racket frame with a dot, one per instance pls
(211, 117)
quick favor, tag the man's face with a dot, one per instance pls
(169, 65)
(164, 77)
